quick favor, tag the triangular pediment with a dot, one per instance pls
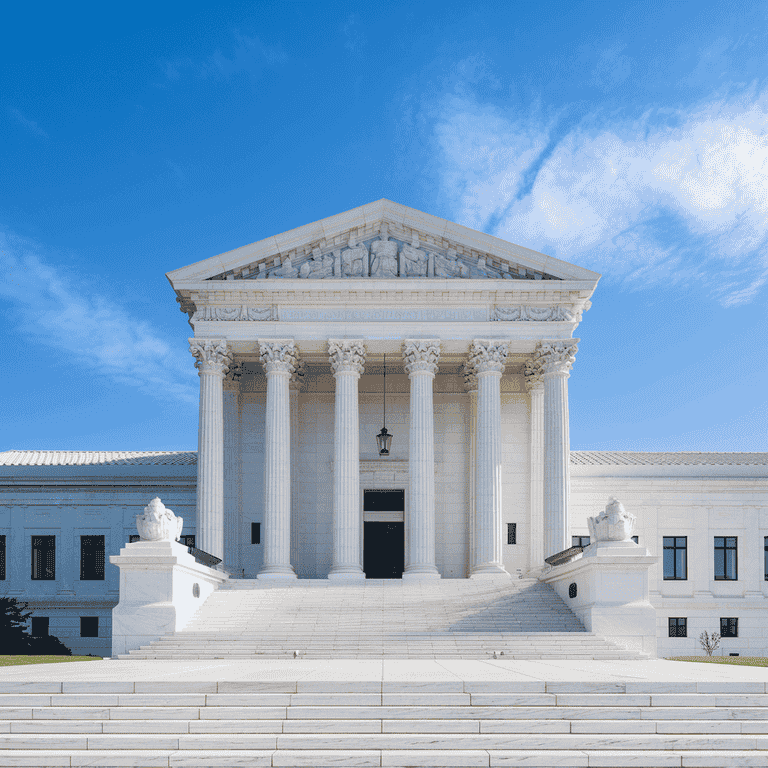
(380, 240)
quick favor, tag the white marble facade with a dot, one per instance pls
(290, 336)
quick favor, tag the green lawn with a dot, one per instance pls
(742, 661)
(10, 661)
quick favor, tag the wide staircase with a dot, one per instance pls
(461, 618)
(372, 723)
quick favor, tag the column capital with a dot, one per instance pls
(488, 356)
(556, 357)
(211, 355)
(534, 377)
(278, 355)
(421, 355)
(346, 355)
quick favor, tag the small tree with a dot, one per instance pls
(14, 639)
(709, 643)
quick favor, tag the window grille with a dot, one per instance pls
(92, 558)
(678, 627)
(134, 537)
(726, 558)
(187, 540)
(43, 558)
(89, 626)
(729, 627)
(675, 558)
(511, 533)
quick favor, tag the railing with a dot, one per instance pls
(204, 558)
(560, 558)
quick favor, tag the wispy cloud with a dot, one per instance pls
(30, 125)
(674, 194)
(354, 37)
(47, 307)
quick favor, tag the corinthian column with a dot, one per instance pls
(212, 360)
(421, 357)
(347, 361)
(487, 359)
(534, 383)
(280, 360)
(470, 387)
(555, 359)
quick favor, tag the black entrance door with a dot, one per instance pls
(383, 550)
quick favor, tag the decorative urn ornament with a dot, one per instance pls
(158, 523)
(614, 523)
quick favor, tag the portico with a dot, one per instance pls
(290, 337)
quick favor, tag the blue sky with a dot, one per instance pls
(627, 137)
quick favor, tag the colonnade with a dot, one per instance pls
(546, 378)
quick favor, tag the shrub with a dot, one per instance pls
(709, 643)
(14, 637)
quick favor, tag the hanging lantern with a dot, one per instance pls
(384, 439)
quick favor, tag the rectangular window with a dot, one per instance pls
(678, 627)
(511, 533)
(725, 558)
(765, 556)
(675, 558)
(92, 558)
(89, 626)
(39, 626)
(188, 540)
(255, 533)
(43, 558)
(134, 537)
(2, 557)
(729, 627)
(579, 541)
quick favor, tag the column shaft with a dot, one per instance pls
(347, 361)
(279, 359)
(421, 358)
(535, 387)
(556, 360)
(212, 360)
(487, 358)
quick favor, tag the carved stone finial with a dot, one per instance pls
(488, 355)
(278, 356)
(533, 375)
(346, 355)
(421, 355)
(556, 357)
(158, 523)
(614, 523)
(211, 355)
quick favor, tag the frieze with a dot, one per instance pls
(384, 314)
(235, 313)
(558, 313)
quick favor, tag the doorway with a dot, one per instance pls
(383, 534)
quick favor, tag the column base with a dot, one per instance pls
(420, 572)
(346, 573)
(489, 571)
(277, 572)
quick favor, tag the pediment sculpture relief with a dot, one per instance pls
(384, 256)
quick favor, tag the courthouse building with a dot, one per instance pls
(384, 394)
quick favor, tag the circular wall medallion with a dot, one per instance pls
(196, 590)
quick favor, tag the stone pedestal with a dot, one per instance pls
(555, 359)
(487, 359)
(280, 359)
(611, 585)
(161, 588)
(212, 360)
(347, 362)
(421, 358)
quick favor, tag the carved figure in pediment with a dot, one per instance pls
(318, 266)
(286, 269)
(448, 265)
(415, 261)
(354, 260)
(384, 251)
